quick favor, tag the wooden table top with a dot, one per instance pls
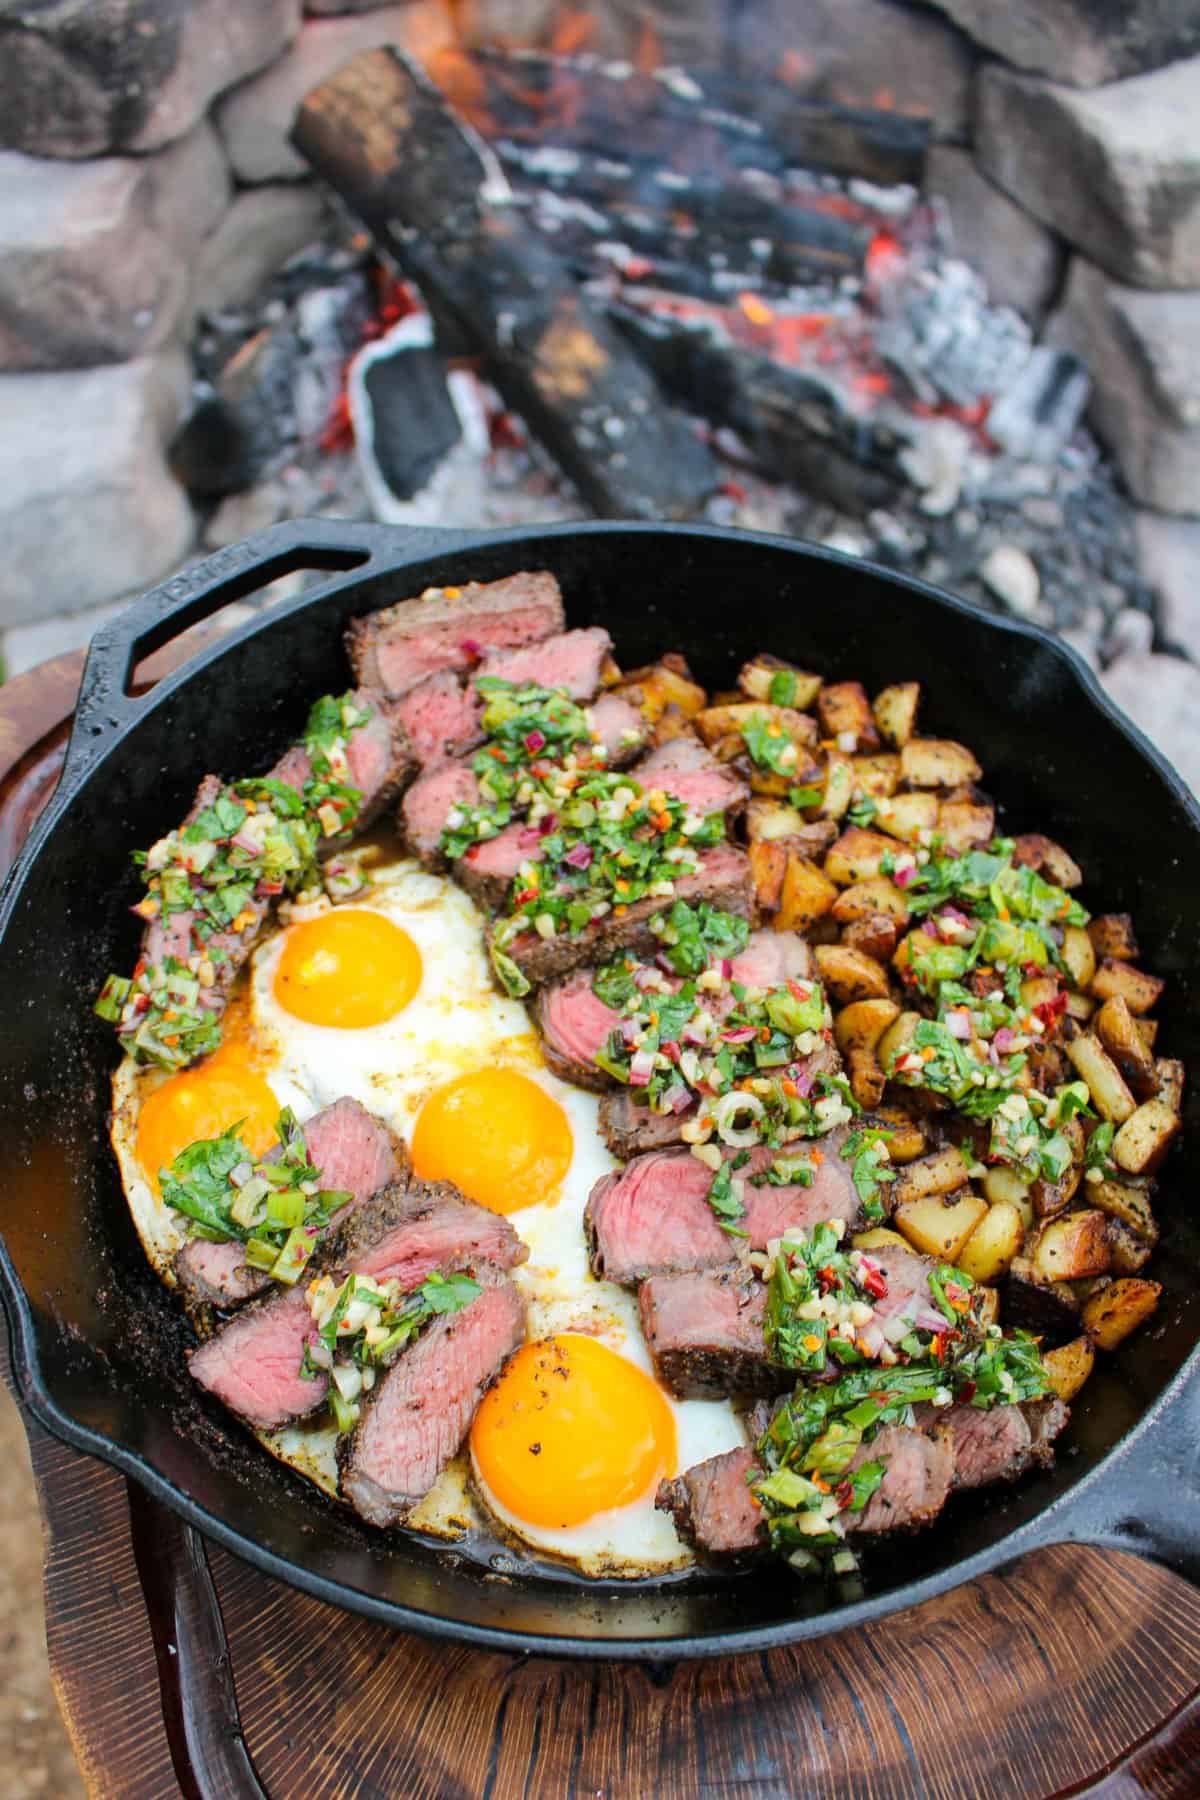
(180, 1669)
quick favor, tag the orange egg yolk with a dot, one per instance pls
(571, 1429)
(349, 968)
(496, 1135)
(202, 1103)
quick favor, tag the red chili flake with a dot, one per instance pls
(967, 1391)
(875, 1284)
(939, 1346)
(843, 1493)
(827, 1278)
(1049, 1010)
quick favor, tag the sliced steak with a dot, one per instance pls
(713, 1507)
(252, 1363)
(573, 660)
(916, 1481)
(441, 718)
(630, 1128)
(575, 1024)
(487, 869)
(772, 958)
(705, 1334)
(620, 727)
(998, 1444)
(685, 768)
(723, 879)
(417, 1416)
(908, 1295)
(381, 758)
(452, 628)
(351, 1149)
(428, 804)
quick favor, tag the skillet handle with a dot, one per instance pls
(1147, 1499)
(345, 548)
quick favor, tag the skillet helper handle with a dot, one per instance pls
(105, 703)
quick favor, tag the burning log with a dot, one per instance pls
(437, 203)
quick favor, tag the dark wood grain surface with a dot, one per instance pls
(182, 1670)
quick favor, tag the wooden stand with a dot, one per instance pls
(181, 1670)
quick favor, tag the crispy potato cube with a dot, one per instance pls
(768, 865)
(942, 1173)
(1068, 1367)
(662, 685)
(1038, 990)
(1076, 1244)
(1171, 1077)
(877, 775)
(895, 1039)
(874, 936)
(1118, 1032)
(867, 898)
(850, 974)
(1049, 1198)
(906, 816)
(1138, 990)
(857, 1029)
(939, 1225)
(806, 896)
(1110, 1316)
(1003, 1186)
(845, 715)
(1145, 1137)
(965, 825)
(879, 1238)
(895, 710)
(1078, 955)
(1105, 1082)
(1147, 1030)
(1048, 858)
(839, 786)
(1112, 935)
(1080, 1007)
(767, 818)
(857, 855)
(907, 1140)
(1128, 1204)
(937, 763)
(989, 1251)
(780, 683)
(1130, 1253)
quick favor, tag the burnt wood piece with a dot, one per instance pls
(436, 201)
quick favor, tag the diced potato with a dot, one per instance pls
(766, 818)
(937, 763)
(907, 1140)
(716, 722)
(874, 936)
(1145, 1137)
(1129, 1204)
(939, 1225)
(666, 683)
(867, 898)
(1130, 1253)
(895, 1039)
(1080, 1007)
(857, 1029)
(1118, 1032)
(995, 1241)
(839, 786)
(768, 865)
(1171, 1077)
(1003, 1186)
(1078, 955)
(1068, 1367)
(1049, 859)
(857, 855)
(906, 816)
(1147, 1030)
(1077, 1244)
(806, 895)
(1038, 990)
(1106, 1084)
(1049, 1198)
(965, 825)
(942, 1173)
(671, 723)
(1112, 935)
(895, 711)
(845, 714)
(877, 775)
(850, 974)
(879, 1238)
(1138, 990)
(781, 683)
(1110, 1316)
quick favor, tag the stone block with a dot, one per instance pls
(256, 118)
(87, 77)
(1161, 694)
(1116, 170)
(1021, 262)
(262, 230)
(88, 510)
(1083, 42)
(1143, 351)
(95, 256)
(1170, 553)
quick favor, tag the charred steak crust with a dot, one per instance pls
(713, 1508)
(704, 1332)
(452, 629)
(573, 1023)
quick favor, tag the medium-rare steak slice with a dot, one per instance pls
(428, 803)
(379, 758)
(488, 868)
(713, 1507)
(653, 1216)
(575, 1024)
(704, 1331)
(352, 1151)
(252, 1364)
(441, 718)
(629, 1126)
(621, 729)
(452, 628)
(685, 768)
(416, 1417)
(723, 878)
(916, 1481)
(998, 1444)
(573, 660)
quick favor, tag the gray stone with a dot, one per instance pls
(1084, 42)
(1143, 351)
(1161, 694)
(324, 8)
(88, 510)
(1021, 262)
(256, 117)
(94, 256)
(1115, 170)
(262, 230)
(1011, 574)
(85, 77)
(1170, 552)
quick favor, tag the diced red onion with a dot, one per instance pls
(547, 824)
(902, 877)
(470, 647)
(803, 1079)
(535, 741)
(743, 1035)
(1002, 1040)
(955, 913)
(929, 928)
(641, 1068)
(726, 969)
(241, 841)
(644, 979)
(677, 1097)
(240, 1175)
(694, 1033)
(629, 1031)
(528, 838)
(579, 856)
(959, 1026)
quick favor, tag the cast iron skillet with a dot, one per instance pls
(97, 1344)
